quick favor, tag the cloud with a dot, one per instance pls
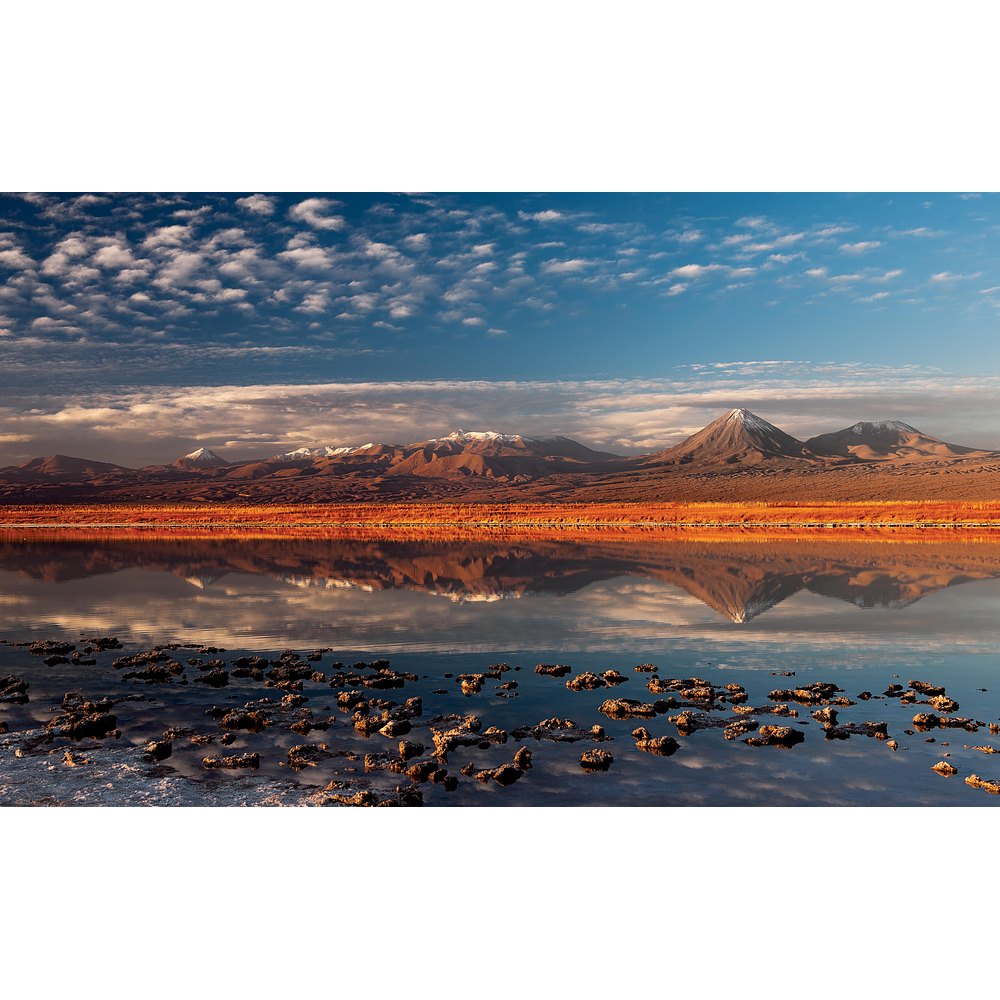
(16, 260)
(574, 266)
(873, 298)
(966, 197)
(495, 332)
(549, 215)
(677, 289)
(692, 271)
(315, 212)
(168, 236)
(474, 321)
(859, 248)
(946, 277)
(149, 424)
(258, 204)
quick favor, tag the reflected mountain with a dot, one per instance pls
(739, 575)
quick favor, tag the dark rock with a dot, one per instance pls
(77, 726)
(596, 760)
(864, 696)
(662, 746)
(505, 774)
(214, 678)
(808, 694)
(879, 730)
(523, 758)
(585, 682)
(293, 700)
(46, 647)
(776, 736)
(227, 738)
(252, 722)
(395, 727)
(646, 668)
(13, 690)
(740, 728)
(408, 750)
(160, 749)
(553, 669)
(826, 715)
(308, 755)
(612, 678)
(368, 797)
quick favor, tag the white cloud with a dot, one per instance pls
(549, 215)
(743, 272)
(16, 260)
(474, 321)
(966, 197)
(945, 277)
(692, 271)
(168, 236)
(496, 332)
(677, 289)
(316, 212)
(859, 248)
(574, 266)
(258, 204)
(873, 298)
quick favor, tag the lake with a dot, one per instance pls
(735, 624)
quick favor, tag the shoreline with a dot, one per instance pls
(909, 515)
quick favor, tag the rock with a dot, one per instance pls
(505, 774)
(3, 727)
(612, 678)
(924, 688)
(943, 767)
(160, 749)
(308, 755)
(877, 729)
(214, 678)
(367, 797)
(662, 746)
(13, 690)
(809, 694)
(736, 693)
(552, 669)
(380, 761)
(585, 682)
(559, 731)
(826, 715)
(78, 726)
(596, 760)
(252, 722)
(782, 711)
(626, 708)
(421, 771)
(988, 784)
(238, 760)
(892, 745)
(645, 668)
(689, 722)
(776, 736)
(740, 728)
(494, 735)
(395, 727)
(944, 704)
(523, 758)
(864, 696)
(408, 750)
(227, 738)
(44, 647)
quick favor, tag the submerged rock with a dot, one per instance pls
(559, 731)
(13, 690)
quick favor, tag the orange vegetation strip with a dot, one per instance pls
(504, 516)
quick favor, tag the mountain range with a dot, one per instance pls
(479, 465)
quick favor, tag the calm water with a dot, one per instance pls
(735, 610)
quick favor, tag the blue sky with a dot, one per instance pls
(126, 304)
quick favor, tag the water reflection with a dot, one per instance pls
(577, 591)
(863, 611)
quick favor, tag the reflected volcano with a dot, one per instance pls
(739, 575)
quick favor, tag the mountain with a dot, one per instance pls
(63, 467)
(200, 459)
(739, 437)
(301, 453)
(882, 440)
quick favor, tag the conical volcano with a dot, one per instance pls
(737, 438)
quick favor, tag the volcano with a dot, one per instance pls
(883, 440)
(737, 438)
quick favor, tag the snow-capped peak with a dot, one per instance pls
(742, 415)
(467, 437)
(324, 452)
(203, 457)
(882, 425)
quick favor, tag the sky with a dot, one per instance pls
(136, 327)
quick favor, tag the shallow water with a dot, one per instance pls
(861, 614)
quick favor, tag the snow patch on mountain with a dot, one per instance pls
(203, 458)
